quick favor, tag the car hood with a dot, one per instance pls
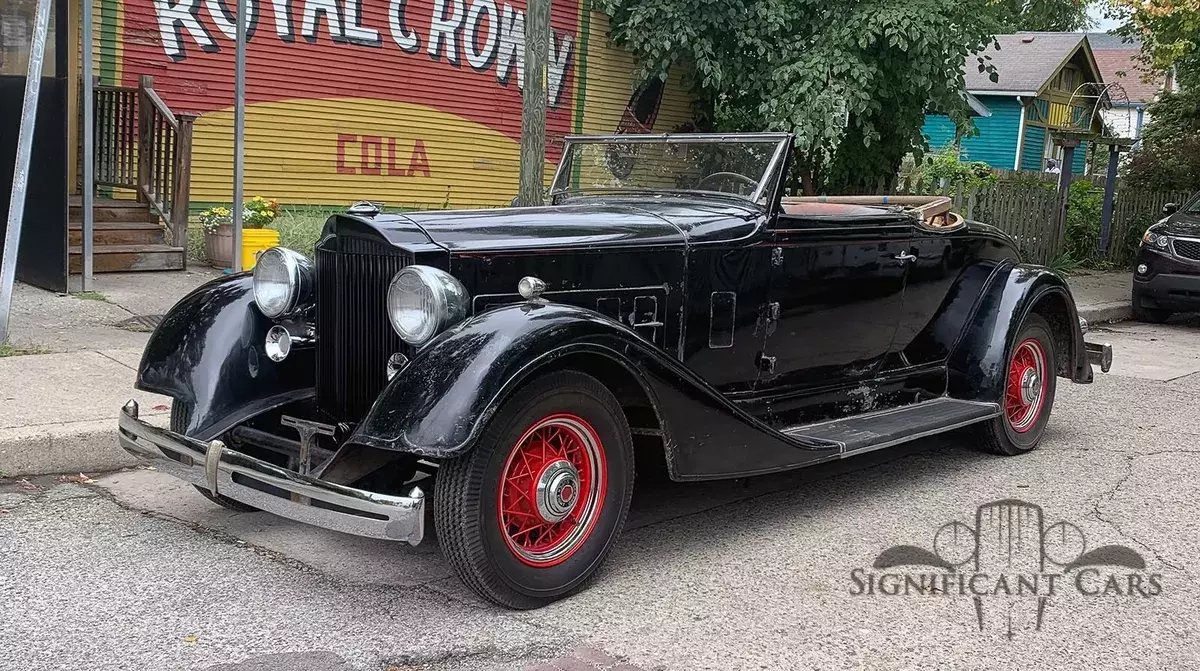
(1182, 223)
(646, 221)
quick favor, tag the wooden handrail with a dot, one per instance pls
(142, 145)
(159, 105)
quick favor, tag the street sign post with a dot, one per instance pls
(16, 206)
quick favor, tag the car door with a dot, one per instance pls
(725, 316)
(940, 259)
(835, 301)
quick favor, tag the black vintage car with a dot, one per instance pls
(1166, 278)
(512, 362)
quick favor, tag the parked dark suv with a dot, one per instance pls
(1166, 278)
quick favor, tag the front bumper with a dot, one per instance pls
(299, 497)
(1170, 291)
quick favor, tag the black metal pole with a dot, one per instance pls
(1110, 191)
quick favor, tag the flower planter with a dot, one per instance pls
(256, 241)
(218, 246)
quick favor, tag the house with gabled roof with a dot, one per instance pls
(1117, 58)
(1035, 93)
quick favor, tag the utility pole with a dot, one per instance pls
(239, 131)
(89, 160)
(533, 104)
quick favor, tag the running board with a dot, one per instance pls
(884, 428)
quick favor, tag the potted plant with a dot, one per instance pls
(218, 236)
(257, 213)
(256, 237)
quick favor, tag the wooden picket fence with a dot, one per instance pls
(1133, 211)
(1027, 206)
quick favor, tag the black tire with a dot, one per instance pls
(180, 414)
(1149, 315)
(1019, 427)
(466, 497)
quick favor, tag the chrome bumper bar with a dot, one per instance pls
(1099, 355)
(229, 473)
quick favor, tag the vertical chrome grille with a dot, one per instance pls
(354, 338)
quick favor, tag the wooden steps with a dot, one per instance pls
(126, 258)
(127, 236)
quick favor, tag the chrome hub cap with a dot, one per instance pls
(1031, 386)
(557, 490)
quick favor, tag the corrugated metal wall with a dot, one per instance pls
(412, 102)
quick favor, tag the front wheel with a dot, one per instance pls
(1029, 385)
(1148, 315)
(528, 515)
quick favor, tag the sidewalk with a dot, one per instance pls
(1102, 296)
(58, 410)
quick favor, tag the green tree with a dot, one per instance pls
(1051, 15)
(852, 80)
(1169, 156)
(1169, 31)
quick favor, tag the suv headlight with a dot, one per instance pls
(423, 301)
(282, 280)
(1152, 239)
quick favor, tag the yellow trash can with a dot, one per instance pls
(255, 241)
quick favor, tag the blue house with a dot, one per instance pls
(1038, 73)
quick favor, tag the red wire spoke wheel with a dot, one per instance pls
(552, 490)
(531, 511)
(1028, 391)
(1024, 391)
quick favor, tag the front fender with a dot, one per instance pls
(207, 353)
(439, 403)
(979, 360)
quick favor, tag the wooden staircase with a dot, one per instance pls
(143, 147)
(127, 236)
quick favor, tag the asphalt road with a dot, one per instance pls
(136, 572)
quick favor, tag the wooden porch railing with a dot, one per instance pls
(142, 145)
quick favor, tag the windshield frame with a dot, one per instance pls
(769, 174)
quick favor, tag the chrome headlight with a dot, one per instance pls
(282, 281)
(423, 301)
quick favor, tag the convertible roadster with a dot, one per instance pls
(505, 367)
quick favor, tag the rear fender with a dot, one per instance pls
(978, 362)
(440, 402)
(208, 354)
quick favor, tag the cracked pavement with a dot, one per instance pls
(135, 571)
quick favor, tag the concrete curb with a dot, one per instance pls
(73, 447)
(1105, 313)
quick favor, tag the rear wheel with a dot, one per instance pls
(181, 413)
(530, 513)
(1029, 386)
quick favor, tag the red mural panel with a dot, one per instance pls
(460, 57)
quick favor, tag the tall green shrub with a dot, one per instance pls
(1085, 204)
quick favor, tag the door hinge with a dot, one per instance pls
(777, 256)
(766, 364)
